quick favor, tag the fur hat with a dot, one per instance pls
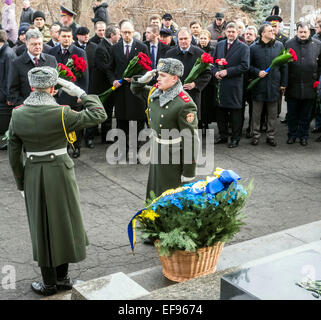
(171, 66)
(42, 77)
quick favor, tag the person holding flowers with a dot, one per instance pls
(267, 90)
(230, 100)
(127, 106)
(302, 75)
(188, 55)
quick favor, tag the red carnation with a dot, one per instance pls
(293, 55)
(316, 84)
(207, 58)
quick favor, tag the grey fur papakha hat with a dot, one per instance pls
(171, 66)
(42, 77)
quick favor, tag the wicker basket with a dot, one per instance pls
(184, 265)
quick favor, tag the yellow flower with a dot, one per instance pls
(149, 214)
(218, 172)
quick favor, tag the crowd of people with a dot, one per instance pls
(247, 50)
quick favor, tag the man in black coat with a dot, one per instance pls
(127, 106)
(188, 54)
(62, 53)
(19, 88)
(54, 34)
(100, 80)
(82, 35)
(100, 31)
(237, 55)
(6, 56)
(302, 75)
(100, 11)
(267, 90)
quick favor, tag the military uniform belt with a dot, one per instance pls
(56, 152)
(166, 141)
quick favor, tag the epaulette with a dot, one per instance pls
(18, 107)
(184, 97)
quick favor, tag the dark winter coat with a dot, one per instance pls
(49, 182)
(6, 57)
(102, 59)
(95, 39)
(317, 36)
(83, 82)
(19, 88)
(238, 59)
(127, 106)
(188, 59)
(26, 15)
(90, 53)
(261, 56)
(208, 98)
(306, 70)
(101, 14)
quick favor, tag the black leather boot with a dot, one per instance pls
(64, 283)
(43, 289)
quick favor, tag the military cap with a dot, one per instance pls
(167, 16)
(42, 77)
(219, 15)
(171, 66)
(274, 18)
(165, 32)
(67, 12)
(82, 31)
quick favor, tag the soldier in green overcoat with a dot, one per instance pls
(172, 116)
(40, 127)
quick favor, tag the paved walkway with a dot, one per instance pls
(287, 183)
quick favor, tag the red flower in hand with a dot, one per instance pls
(293, 54)
(316, 84)
(207, 58)
(221, 62)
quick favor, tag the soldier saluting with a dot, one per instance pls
(40, 127)
(169, 107)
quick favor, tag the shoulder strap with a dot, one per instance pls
(184, 96)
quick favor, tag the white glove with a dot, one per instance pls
(148, 76)
(187, 179)
(22, 194)
(70, 88)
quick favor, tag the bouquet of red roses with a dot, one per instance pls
(221, 65)
(65, 73)
(204, 62)
(77, 65)
(285, 56)
(137, 65)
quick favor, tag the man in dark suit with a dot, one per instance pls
(82, 35)
(18, 83)
(100, 31)
(156, 48)
(62, 53)
(54, 33)
(100, 81)
(237, 55)
(188, 54)
(67, 20)
(127, 106)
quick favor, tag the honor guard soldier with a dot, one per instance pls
(67, 20)
(47, 179)
(169, 107)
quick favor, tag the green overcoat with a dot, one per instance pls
(49, 183)
(170, 161)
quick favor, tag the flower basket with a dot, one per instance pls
(185, 265)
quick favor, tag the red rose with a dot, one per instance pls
(293, 55)
(316, 84)
(221, 62)
(206, 58)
